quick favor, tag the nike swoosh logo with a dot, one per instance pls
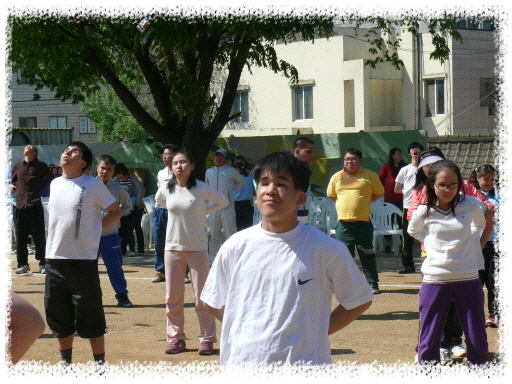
(304, 282)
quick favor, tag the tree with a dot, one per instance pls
(113, 120)
(176, 55)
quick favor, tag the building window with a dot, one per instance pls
(58, 122)
(28, 122)
(241, 105)
(434, 95)
(21, 79)
(303, 103)
(87, 125)
(488, 95)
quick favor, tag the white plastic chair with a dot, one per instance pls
(385, 218)
(325, 211)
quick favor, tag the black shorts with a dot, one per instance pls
(73, 298)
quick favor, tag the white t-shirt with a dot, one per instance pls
(407, 177)
(74, 223)
(163, 177)
(277, 291)
(187, 215)
(452, 243)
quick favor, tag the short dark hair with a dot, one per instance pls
(413, 145)
(121, 169)
(107, 159)
(302, 141)
(281, 162)
(172, 147)
(86, 153)
(354, 151)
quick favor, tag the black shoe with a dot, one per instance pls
(123, 301)
(387, 249)
(375, 288)
(406, 270)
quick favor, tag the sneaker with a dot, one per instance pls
(158, 278)
(446, 357)
(131, 254)
(123, 301)
(416, 359)
(42, 270)
(29, 248)
(492, 321)
(175, 346)
(375, 288)
(387, 249)
(458, 351)
(406, 270)
(23, 270)
(205, 348)
(187, 280)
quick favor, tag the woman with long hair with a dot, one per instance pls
(186, 244)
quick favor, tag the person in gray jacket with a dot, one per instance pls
(131, 221)
(226, 180)
(110, 246)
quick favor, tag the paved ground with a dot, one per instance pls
(385, 334)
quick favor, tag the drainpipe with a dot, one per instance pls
(418, 47)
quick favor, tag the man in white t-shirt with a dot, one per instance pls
(72, 298)
(160, 213)
(404, 183)
(304, 149)
(271, 285)
(226, 180)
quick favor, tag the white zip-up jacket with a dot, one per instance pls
(225, 180)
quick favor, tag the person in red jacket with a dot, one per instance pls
(387, 176)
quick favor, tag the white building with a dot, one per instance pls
(338, 93)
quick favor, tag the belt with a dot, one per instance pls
(31, 204)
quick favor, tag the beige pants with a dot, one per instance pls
(175, 267)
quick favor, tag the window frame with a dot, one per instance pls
(241, 105)
(26, 123)
(489, 99)
(58, 121)
(302, 114)
(434, 82)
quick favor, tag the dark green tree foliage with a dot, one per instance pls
(73, 54)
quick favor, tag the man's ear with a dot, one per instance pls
(296, 152)
(302, 199)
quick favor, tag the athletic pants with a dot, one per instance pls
(218, 220)
(244, 214)
(110, 251)
(434, 305)
(175, 266)
(29, 221)
(359, 234)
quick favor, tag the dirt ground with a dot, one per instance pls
(385, 334)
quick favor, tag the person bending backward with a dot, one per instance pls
(271, 285)
(304, 150)
(226, 180)
(354, 189)
(160, 213)
(186, 243)
(449, 225)
(110, 246)
(72, 297)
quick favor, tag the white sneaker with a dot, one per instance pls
(458, 351)
(446, 358)
(132, 254)
(416, 359)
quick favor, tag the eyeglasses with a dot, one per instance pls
(351, 160)
(446, 187)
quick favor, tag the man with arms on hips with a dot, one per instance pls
(28, 179)
(160, 213)
(110, 246)
(226, 180)
(404, 183)
(271, 285)
(72, 298)
(304, 149)
(353, 189)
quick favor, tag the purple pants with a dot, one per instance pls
(434, 305)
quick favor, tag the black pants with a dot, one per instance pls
(244, 211)
(29, 221)
(407, 259)
(126, 233)
(488, 275)
(137, 219)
